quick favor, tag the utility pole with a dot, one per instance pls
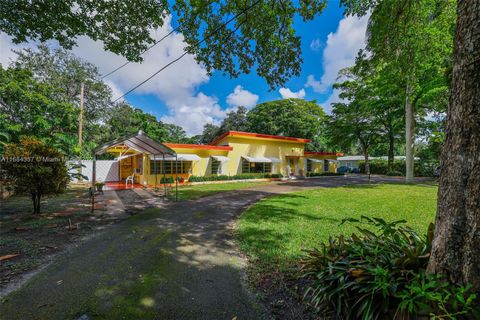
(80, 121)
(80, 129)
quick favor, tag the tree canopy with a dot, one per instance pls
(123, 26)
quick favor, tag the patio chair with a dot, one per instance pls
(130, 178)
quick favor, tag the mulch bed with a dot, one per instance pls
(281, 293)
(27, 241)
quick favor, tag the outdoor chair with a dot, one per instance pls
(129, 178)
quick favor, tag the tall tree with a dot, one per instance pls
(353, 123)
(210, 131)
(30, 107)
(260, 35)
(357, 121)
(288, 117)
(123, 26)
(66, 72)
(417, 42)
(127, 120)
(455, 251)
(235, 120)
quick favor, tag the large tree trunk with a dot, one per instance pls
(367, 160)
(409, 136)
(391, 146)
(456, 245)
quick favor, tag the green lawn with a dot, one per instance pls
(277, 229)
(203, 190)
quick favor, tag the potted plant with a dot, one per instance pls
(99, 186)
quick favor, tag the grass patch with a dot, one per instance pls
(203, 190)
(276, 230)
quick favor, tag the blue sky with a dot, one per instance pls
(185, 95)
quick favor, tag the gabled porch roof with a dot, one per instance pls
(139, 142)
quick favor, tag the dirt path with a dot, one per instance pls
(179, 262)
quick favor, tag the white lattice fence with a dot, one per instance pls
(107, 170)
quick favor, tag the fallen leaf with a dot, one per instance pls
(22, 229)
(9, 256)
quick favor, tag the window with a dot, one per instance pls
(216, 166)
(309, 165)
(256, 167)
(168, 167)
(326, 166)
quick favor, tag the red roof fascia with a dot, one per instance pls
(315, 153)
(258, 135)
(197, 146)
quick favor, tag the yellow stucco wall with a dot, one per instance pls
(262, 148)
(199, 168)
(288, 152)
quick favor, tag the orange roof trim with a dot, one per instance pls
(315, 153)
(197, 146)
(257, 135)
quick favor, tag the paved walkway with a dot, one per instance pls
(176, 263)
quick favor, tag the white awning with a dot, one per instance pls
(180, 157)
(315, 160)
(257, 159)
(221, 158)
(274, 160)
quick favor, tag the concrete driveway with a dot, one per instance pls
(179, 262)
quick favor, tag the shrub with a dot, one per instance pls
(380, 273)
(167, 180)
(34, 169)
(245, 176)
(421, 168)
(320, 174)
(394, 173)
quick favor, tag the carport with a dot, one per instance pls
(135, 145)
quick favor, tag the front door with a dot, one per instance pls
(126, 167)
(293, 166)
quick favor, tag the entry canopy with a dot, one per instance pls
(315, 160)
(180, 157)
(258, 159)
(221, 158)
(139, 142)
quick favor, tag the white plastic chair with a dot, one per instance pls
(129, 178)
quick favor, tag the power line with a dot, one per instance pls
(194, 45)
(153, 45)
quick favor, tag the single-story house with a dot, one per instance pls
(352, 162)
(230, 154)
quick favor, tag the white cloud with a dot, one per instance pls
(315, 44)
(286, 93)
(176, 86)
(6, 46)
(242, 97)
(194, 112)
(333, 98)
(340, 51)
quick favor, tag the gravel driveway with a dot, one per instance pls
(178, 262)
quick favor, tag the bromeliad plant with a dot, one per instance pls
(379, 273)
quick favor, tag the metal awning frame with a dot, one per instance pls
(141, 143)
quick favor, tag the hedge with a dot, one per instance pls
(421, 168)
(235, 177)
(319, 174)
